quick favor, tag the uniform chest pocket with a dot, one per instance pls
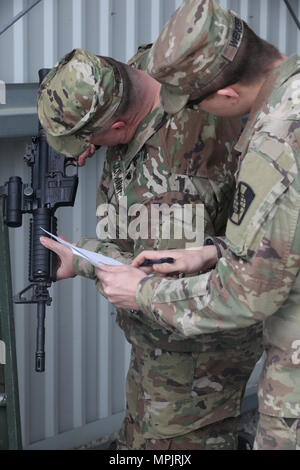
(260, 185)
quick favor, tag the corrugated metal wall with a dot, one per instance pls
(81, 395)
(114, 27)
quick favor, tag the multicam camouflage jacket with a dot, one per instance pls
(186, 159)
(257, 279)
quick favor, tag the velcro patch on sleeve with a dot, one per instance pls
(242, 200)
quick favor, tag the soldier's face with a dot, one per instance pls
(226, 105)
(219, 106)
(114, 135)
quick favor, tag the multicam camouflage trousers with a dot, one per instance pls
(217, 436)
(277, 433)
(186, 400)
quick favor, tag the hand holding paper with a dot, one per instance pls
(94, 258)
(113, 276)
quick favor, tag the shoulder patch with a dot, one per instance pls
(242, 200)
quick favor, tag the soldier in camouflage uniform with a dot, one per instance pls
(208, 54)
(181, 393)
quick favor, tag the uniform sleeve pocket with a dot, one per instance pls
(261, 183)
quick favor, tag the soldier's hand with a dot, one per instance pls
(188, 261)
(119, 284)
(64, 256)
(87, 154)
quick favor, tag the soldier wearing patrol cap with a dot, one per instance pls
(208, 55)
(181, 393)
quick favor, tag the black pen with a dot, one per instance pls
(150, 262)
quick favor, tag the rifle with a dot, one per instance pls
(50, 188)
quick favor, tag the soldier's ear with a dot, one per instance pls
(229, 92)
(118, 125)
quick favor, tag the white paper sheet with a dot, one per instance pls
(90, 256)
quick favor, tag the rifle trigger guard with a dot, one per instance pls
(39, 294)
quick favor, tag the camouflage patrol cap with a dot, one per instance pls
(77, 98)
(197, 44)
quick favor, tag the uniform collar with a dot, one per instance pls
(274, 81)
(147, 127)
